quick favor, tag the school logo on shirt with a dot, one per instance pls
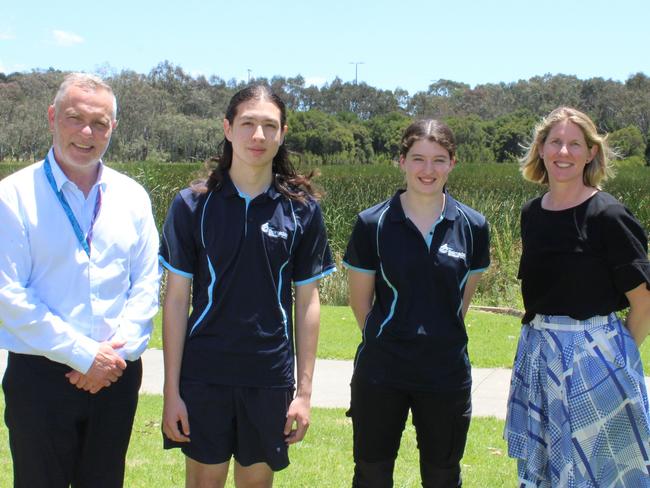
(445, 249)
(271, 232)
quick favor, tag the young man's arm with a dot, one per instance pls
(307, 326)
(175, 312)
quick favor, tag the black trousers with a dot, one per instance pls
(379, 414)
(61, 436)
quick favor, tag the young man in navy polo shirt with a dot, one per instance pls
(414, 263)
(238, 242)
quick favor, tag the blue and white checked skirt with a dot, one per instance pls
(578, 406)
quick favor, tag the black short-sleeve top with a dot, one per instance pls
(242, 256)
(581, 261)
(414, 336)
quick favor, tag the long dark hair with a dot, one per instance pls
(287, 181)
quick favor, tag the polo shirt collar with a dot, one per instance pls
(229, 189)
(451, 209)
(396, 211)
(61, 179)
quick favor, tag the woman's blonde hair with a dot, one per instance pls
(595, 173)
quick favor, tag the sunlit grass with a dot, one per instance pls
(323, 459)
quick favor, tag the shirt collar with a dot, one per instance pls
(61, 179)
(228, 188)
(397, 214)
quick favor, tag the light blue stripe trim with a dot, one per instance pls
(429, 236)
(462, 284)
(315, 278)
(471, 237)
(469, 226)
(464, 280)
(474, 271)
(360, 270)
(383, 274)
(174, 270)
(247, 200)
(293, 238)
(213, 279)
(203, 218)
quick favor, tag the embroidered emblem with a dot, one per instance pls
(271, 232)
(445, 249)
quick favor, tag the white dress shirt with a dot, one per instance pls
(55, 300)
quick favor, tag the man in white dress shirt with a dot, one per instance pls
(79, 281)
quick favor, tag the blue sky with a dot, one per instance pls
(402, 43)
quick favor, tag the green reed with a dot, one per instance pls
(495, 190)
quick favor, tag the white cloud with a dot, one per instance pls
(6, 35)
(315, 80)
(66, 39)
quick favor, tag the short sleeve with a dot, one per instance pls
(360, 253)
(626, 244)
(177, 247)
(313, 258)
(481, 252)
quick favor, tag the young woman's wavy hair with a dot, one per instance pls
(431, 130)
(285, 177)
(596, 172)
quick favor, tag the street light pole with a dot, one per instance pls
(356, 70)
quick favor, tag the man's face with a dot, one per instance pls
(81, 126)
(256, 133)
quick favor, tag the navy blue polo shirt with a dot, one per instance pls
(243, 255)
(414, 336)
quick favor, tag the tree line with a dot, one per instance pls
(169, 115)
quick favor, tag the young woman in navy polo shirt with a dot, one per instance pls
(578, 406)
(414, 262)
(237, 242)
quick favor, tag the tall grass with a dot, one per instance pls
(495, 190)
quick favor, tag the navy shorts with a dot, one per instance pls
(244, 422)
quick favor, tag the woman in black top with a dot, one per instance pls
(578, 405)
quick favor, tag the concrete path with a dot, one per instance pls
(332, 384)
(332, 380)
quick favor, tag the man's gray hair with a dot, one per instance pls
(86, 81)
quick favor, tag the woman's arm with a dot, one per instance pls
(638, 320)
(175, 313)
(470, 288)
(362, 292)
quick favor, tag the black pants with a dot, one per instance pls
(379, 416)
(60, 435)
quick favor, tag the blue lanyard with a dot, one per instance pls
(84, 241)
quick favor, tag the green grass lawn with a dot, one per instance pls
(492, 337)
(323, 459)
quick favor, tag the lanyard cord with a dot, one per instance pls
(84, 241)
